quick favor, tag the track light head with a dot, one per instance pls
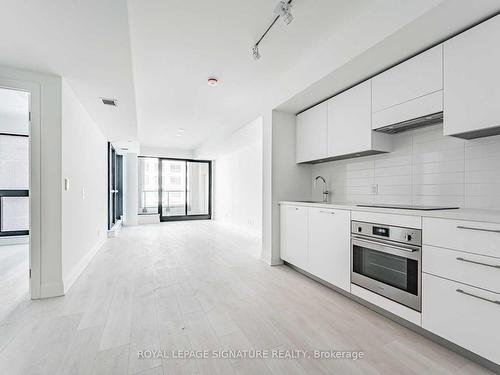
(283, 10)
(255, 52)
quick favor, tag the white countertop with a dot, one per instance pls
(490, 216)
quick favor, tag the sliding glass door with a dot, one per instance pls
(184, 189)
(173, 188)
(198, 188)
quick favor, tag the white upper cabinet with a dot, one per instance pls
(349, 124)
(472, 82)
(329, 246)
(409, 90)
(311, 136)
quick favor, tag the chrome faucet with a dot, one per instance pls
(325, 191)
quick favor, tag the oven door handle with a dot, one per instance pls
(380, 245)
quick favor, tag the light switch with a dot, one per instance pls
(66, 184)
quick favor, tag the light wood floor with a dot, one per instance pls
(14, 279)
(199, 285)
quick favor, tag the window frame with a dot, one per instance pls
(160, 197)
(13, 193)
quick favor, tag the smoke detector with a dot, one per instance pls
(212, 81)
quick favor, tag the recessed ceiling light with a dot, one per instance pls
(212, 81)
(178, 135)
(181, 130)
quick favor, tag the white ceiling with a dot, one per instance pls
(178, 44)
(155, 56)
(86, 42)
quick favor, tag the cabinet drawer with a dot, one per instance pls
(467, 268)
(462, 314)
(470, 236)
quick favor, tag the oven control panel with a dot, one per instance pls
(392, 233)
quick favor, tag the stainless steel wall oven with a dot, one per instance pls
(387, 260)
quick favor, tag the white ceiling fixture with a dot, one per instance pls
(283, 11)
(213, 81)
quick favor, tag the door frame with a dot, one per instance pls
(183, 217)
(115, 186)
(35, 203)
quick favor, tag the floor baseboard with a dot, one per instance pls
(80, 267)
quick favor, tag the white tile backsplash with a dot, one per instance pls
(425, 168)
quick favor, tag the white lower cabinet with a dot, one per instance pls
(328, 246)
(293, 237)
(463, 314)
(317, 240)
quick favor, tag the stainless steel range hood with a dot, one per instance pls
(412, 124)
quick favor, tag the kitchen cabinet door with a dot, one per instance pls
(311, 134)
(293, 239)
(462, 314)
(349, 121)
(472, 82)
(414, 78)
(349, 124)
(329, 246)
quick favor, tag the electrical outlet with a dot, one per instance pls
(375, 189)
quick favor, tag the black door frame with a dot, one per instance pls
(160, 198)
(14, 193)
(115, 186)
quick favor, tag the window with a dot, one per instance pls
(148, 185)
(14, 163)
(176, 189)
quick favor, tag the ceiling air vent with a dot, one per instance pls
(107, 101)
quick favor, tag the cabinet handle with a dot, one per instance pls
(480, 263)
(479, 229)
(327, 212)
(478, 297)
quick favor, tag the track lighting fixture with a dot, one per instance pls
(255, 52)
(282, 10)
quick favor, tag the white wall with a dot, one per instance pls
(283, 179)
(84, 205)
(162, 152)
(131, 189)
(238, 179)
(425, 168)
